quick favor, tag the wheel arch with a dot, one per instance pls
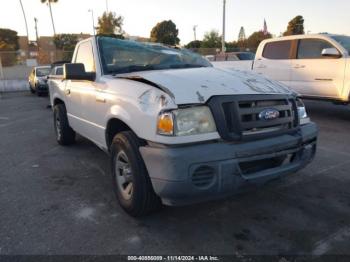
(57, 101)
(113, 127)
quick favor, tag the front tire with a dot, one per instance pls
(131, 181)
(31, 89)
(65, 135)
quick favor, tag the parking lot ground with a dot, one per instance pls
(59, 200)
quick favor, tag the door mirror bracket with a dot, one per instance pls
(77, 71)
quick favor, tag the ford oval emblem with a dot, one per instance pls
(269, 114)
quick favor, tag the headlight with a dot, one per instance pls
(303, 117)
(41, 81)
(186, 121)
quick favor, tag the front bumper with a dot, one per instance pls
(196, 173)
(42, 88)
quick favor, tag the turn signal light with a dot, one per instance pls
(165, 124)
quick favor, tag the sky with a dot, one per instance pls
(72, 16)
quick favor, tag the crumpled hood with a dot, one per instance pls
(197, 85)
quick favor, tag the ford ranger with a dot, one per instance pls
(178, 131)
(315, 66)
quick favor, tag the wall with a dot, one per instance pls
(18, 72)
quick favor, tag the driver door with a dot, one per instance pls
(76, 89)
(315, 75)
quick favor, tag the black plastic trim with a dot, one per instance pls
(234, 132)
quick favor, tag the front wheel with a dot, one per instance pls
(31, 89)
(65, 135)
(132, 184)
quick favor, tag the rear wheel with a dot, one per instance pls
(65, 135)
(132, 184)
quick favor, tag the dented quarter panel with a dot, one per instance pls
(138, 105)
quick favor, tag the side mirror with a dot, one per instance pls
(331, 52)
(77, 72)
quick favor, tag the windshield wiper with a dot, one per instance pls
(132, 68)
(185, 66)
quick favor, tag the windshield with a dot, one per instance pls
(43, 71)
(343, 40)
(121, 56)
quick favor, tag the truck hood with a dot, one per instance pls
(197, 85)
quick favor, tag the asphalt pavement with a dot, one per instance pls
(59, 200)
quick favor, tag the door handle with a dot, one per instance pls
(67, 91)
(100, 97)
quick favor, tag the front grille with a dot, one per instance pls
(240, 117)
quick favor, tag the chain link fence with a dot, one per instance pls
(18, 64)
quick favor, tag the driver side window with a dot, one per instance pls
(312, 48)
(85, 56)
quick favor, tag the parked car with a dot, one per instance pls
(231, 56)
(245, 59)
(316, 66)
(55, 77)
(178, 130)
(38, 80)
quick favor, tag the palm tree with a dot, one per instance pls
(49, 4)
(25, 20)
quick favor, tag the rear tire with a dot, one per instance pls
(65, 135)
(131, 181)
(31, 89)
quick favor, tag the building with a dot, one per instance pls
(43, 50)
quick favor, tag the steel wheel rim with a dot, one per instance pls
(58, 128)
(123, 175)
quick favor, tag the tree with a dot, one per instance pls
(211, 39)
(165, 32)
(231, 46)
(194, 44)
(241, 35)
(109, 24)
(8, 44)
(255, 39)
(295, 26)
(49, 4)
(66, 43)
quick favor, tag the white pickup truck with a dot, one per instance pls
(178, 130)
(315, 66)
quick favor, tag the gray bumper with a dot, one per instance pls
(43, 88)
(190, 174)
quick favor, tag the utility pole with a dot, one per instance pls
(25, 20)
(36, 32)
(93, 21)
(53, 24)
(223, 48)
(195, 32)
